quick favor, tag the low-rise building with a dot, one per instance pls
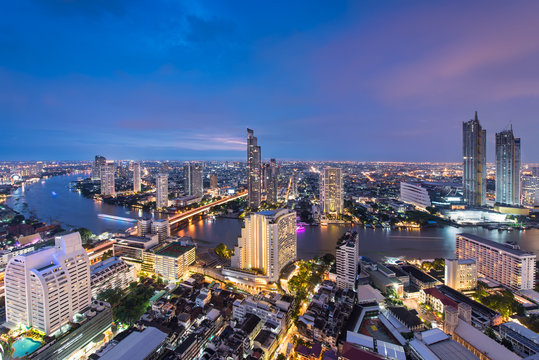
(173, 260)
(436, 299)
(112, 273)
(524, 341)
(420, 278)
(139, 344)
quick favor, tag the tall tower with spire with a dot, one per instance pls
(474, 161)
(254, 168)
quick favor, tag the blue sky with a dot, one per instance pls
(316, 80)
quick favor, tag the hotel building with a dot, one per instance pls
(503, 263)
(112, 273)
(460, 274)
(267, 243)
(415, 195)
(474, 159)
(45, 288)
(331, 192)
(347, 261)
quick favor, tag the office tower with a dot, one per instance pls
(254, 178)
(122, 170)
(503, 263)
(161, 192)
(193, 179)
(107, 179)
(331, 192)
(267, 243)
(460, 274)
(213, 181)
(415, 194)
(96, 167)
(136, 178)
(347, 260)
(507, 168)
(161, 228)
(474, 157)
(45, 288)
(271, 173)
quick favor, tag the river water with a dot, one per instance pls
(53, 201)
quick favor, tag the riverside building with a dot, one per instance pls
(267, 243)
(254, 168)
(415, 195)
(45, 288)
(503, 263)
(474, 159)
(461, 274)
(331, 192)
(107, 179)
(507, 168)
(347, 261)
(136, 177)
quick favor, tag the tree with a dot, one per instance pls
(107, 254)
(281, 357)
(223, 251)
(112, 296)
(85, 234)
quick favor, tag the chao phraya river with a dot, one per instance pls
(52, 201)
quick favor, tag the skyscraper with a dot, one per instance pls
(254, 170)
(107, 179)
(214, 184)
(271, 173)
(267, 243)
(294, 185)
(136, 177)
(193, 179)
(96, 167)
(161, 193)
(347, 260)
(474, 157)
(46, 287)
(507, 168)
(331, 192)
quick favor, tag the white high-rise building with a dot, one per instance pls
(161, 228)
(503, 263)
(267, 243)
(331, 192)
(45, 288)
(136, 177)
(161, 193)
(507, 168)
(460, 274)
(474, 161)
(347, 260)
(107, 179)
(415, 195)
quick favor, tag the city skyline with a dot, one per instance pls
(184, 82)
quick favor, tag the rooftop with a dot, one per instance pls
(523, 331)
(174, 250)
(137, 345)
(495, 245)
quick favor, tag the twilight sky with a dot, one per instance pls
(316, 80)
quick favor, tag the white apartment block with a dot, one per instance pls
(502, 263)
(460, 274)
(415, 195)
(260, 307)
(112, 273)
(347, 261)
(45, 288)
(173, 260)
(161, 228)
(107, 179)
(267, 243)
(161, 193)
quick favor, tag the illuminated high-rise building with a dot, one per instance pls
(474, 157)
(136, 177)
(331, 192)
(96, 167)
(267, 243)
(45, 288)
(193, 179)
(507, 168)
(107, 179)
(254, 170)
(530, 191)
(270, 177)
(347, 261)
(213, 181)
(161, 192)
(294, 184)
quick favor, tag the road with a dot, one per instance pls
(186, 215)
